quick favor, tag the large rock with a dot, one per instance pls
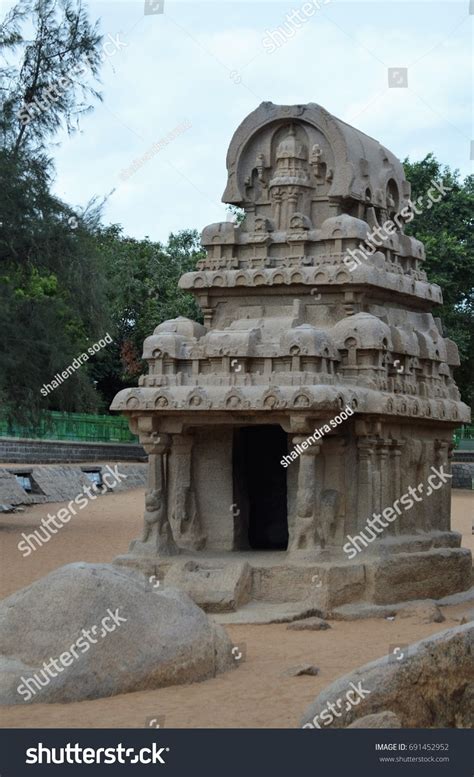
(431, 687)
(165, 639)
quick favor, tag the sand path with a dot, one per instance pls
(255, 695)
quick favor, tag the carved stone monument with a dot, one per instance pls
(317, 315)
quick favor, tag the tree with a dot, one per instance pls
(143, 292)
(52, 288)
(446, 231)
(47, 81)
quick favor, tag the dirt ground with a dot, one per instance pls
(255, 695)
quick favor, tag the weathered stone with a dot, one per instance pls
(309, 624)
(58, 483)
(409, 576)
(429, 688)
(423, 612)
(301, 669)
(215, 587)
(319, 389)
(166, 639)
(385, 719)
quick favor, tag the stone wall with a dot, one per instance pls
(24, 451)
(463, 475)
(58, 483)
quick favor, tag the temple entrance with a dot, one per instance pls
(260, 482)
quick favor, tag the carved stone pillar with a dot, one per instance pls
(376, 480)
(396, 453)
(365, 450)
(183, 505)
(386, 481)
(443, 455)
(303, 536)
(157, 531)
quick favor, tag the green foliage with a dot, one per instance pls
(143, 291)
(446, 231)
(237, 214)
(52, 294)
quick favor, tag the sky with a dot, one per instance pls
(190, 74)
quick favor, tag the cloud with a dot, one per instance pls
(206, 63)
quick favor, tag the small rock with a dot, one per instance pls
(467, 617)
(309, 624)
(424, 612)
(384, 719)
(300, 669)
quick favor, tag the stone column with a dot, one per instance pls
(183, 505)
(365, 508)
(303, 535)
(386, 482)
(443, 455)
(396, 453)
(157, 532)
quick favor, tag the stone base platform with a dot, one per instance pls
(309, 584)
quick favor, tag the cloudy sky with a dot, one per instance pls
(205, 63)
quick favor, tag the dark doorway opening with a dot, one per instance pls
(262, 484)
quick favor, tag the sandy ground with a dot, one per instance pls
(255, 695)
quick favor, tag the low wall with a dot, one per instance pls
(22, 451)
(463, 475)
(60, 483)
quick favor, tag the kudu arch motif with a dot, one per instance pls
(312, 189)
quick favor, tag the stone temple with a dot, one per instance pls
(299, 325)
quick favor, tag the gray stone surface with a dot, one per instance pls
(430, 688)
(422, 611)
(260, 613)
(462, 597)
(166, 639)
(214, 586)
(58, 483)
